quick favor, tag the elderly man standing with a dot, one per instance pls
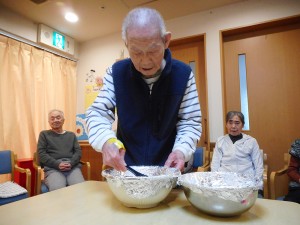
(59, 153)
(159, 117)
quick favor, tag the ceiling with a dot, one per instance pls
(101, 17)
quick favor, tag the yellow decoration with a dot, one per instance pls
(91, 92)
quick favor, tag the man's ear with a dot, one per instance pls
(167, 39)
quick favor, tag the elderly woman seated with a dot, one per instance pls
(238, 152)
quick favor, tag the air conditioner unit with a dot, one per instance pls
(54, 39)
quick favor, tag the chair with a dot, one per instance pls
(8, 166)
(196, 161)
(279, 180)
(200, 157)
(40, 185)
(265, 175)
(206, 168)
(207, 160)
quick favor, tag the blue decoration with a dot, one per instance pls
(81, 132)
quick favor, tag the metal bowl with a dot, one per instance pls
(220, 193)
(142, 192)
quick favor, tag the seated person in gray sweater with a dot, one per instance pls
(59, 153)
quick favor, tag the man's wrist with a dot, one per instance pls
(116, 142)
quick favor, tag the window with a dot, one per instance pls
(243, 90)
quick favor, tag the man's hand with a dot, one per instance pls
(113, 156)
(65, 166)
(176, 159)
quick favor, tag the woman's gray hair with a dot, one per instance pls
(143, 17)
(231, 114)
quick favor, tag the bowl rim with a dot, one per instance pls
(188, 183)
(176, 173)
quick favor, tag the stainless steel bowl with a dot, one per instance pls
(142, 192)
(220, 193)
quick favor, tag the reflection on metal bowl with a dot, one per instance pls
(219, 194)
(142, 192)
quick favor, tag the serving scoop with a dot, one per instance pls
(120, 146)
(135, 172)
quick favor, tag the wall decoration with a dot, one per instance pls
(81, 132)
(93, 84)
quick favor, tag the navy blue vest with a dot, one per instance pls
(147, 123)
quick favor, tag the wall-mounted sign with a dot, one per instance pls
(55, 39)
(58, 40)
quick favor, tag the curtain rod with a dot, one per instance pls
(26, 41)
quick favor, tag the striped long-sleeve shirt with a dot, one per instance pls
(101, 115)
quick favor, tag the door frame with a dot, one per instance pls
(201, 38)
(242, 31)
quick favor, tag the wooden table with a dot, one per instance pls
(92, 202)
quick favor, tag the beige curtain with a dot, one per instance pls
(32, 82)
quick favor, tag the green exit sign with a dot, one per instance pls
(58, 40)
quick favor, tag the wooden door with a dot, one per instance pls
(191, 51)
(273, 79)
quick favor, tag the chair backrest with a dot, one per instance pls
(265, 174)
(207, 156)
(279, 180)
(286, 159)
(39, 174)
(7, 162)
(199, 157)
(210, 155)
(36, 159)
(264, 156)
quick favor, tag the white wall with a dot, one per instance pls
(17, 25)
(102, 52)
(20, 26)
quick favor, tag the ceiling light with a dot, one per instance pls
(71, 17)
